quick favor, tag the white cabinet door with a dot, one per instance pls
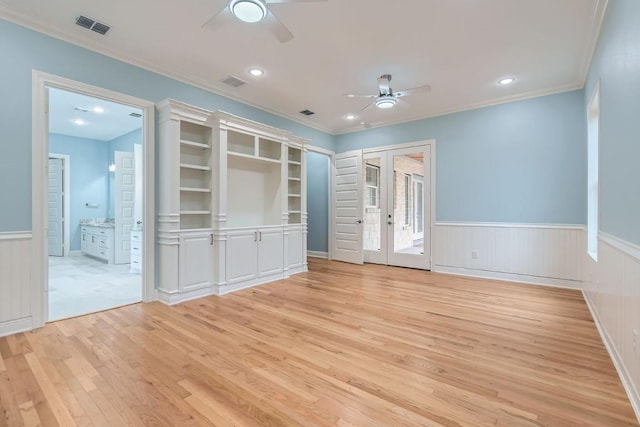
(196, 260)
(294, 248)
(270, 252)
(242, 256)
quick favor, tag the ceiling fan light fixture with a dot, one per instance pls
(250, 11)
(386, 101)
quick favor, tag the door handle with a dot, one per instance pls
(359, 221)
(390, 222)
(255, 236)
(211, 241)
(260, 234)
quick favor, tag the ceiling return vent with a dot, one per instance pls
(137, 115)
(233, 81)
(307, 112)
(92, 24)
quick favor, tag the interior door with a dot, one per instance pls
(124, 193)
(55, 206)
(374, 238)
(347, 202)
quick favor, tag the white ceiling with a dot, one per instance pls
(114, 121)
(459, 47)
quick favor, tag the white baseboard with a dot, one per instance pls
(228, 288)
(15, 326)
(510, 277)
(176, 297)
(623, 373)
(75, 253)
(318, 254)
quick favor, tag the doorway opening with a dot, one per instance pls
(94, 210)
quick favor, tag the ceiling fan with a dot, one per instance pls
(386, 97)
(254, 11)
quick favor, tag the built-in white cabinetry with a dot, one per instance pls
(232, 208)
(97, 241)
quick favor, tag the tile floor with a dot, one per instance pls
(80, 285)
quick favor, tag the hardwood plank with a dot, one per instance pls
(341, 345)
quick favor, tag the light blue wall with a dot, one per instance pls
(89, 179)
(122, 143)
(521, 162)
(317, 201)
(26, 50)
(616, 64)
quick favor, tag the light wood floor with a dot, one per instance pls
(341, 345)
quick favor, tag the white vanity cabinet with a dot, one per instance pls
(232, 203)
(136, 251)
(97, 241)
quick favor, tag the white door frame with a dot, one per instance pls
(41, 82)
(66, 205)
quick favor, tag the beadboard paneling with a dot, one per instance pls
(612, 290)
(547, 254)
(15, 282)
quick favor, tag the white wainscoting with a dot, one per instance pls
(15, 283)
(529, 253)
(612, 291)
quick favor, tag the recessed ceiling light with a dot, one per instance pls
(98, 109)
(250, 11)
(386, 101)
(78, 122)
(350, 117)
(351, 95)
(256, 72)
(506, 81)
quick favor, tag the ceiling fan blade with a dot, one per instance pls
(276, 27)
(295, 1)
(400, 93)
(384, 86)
(368, 106)
(219, 19)
(353, 95)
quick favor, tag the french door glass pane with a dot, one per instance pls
(372, 235)
(408, 206)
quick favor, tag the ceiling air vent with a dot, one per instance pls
(233, 81)
(93, 25)
(135, 115)
(307, 112)
(83, 110)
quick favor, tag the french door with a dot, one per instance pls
(396, 207)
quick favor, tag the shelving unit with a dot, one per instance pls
(232, 203)
(195, 176)
(294, 161)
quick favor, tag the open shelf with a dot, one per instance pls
(251, 157)
(292, 162)
(195, 212)
(195, 190)
(294, 155)
(294, 195)
(241, 143)
(194, 133)
(196, 167)
(194, 144)
(268, 149)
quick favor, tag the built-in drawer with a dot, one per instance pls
(104, 242)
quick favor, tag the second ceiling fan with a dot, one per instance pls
(254, 11)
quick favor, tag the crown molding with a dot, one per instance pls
(599, 11)
(504, 100)
(35, 25)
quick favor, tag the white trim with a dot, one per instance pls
(15, 326)
(41, 82)
(596, 26)
(318, 254)
(623, 373)
(622, 245)
(509, 277)
(504, 100)
(320, 150)
(415, 144)
(66, 189)
(15, 235)
(511, 225)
